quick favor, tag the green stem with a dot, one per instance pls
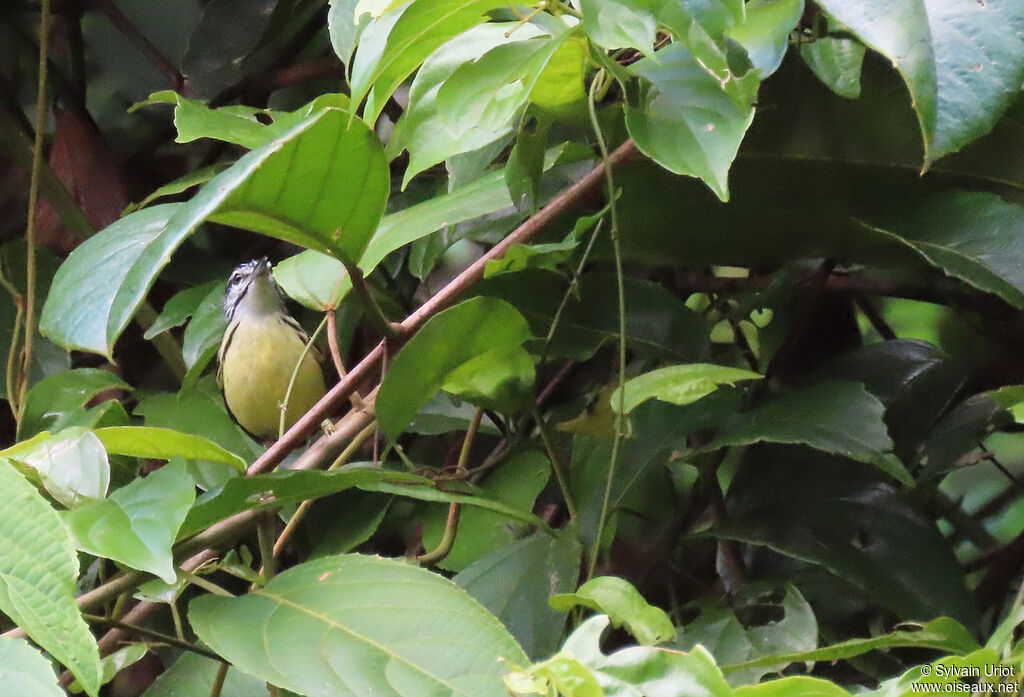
(12, 357)
(381, 323)
(153, 634)
(265, 537)
(197, 580)
(451, 526)
(556, 464)
(295, 373)
(617, 248)
(33, 202)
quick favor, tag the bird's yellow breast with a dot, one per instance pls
(257, 360)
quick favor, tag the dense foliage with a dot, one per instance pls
(677, 346)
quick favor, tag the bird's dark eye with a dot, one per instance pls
(235, 278)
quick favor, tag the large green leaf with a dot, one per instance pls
(345, 27)
(618, 599)
(445, 343)
(24, 672)
(164, 444)
(841, 418)
(514, 582)
(394, 45)
(268, 191)
(793, 686)
(848, 519)
(137, 524)
(685, 121)
(38, 572)
(283, 488)
(963, 63)
(71, 465)
(381, 626)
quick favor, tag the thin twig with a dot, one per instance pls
(25, 367)
(153, 634)
(295, 374)
(556, 464)
(128, 28)
(265, 537)
(387, 328)
(339, 364)
(617, 249)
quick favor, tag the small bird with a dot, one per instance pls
(259, 351)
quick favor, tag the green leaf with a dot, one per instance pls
(835, 417)
(193, 675)
(205, 329)
(283, 488)
(180, 185)
(947, 55)
(653, 671)
(345, 28)
(137, 524)
(490, 93)
(765, 32)
(268, 191)
(793, 686)
(525, 164)
(615, 24)
(941, 634)
(180, 307)
(164, 444)
(562, 674)
(201, 412)
(25, 672)
(55, 400)
(195, 120)
(445, 644)
(446, 342)
(679, 384)
(38, 572)
(71, 465)
(352, 187)
(517, 482)
(618, 599)
(421, 129)
(685, 121)
(514, 582)
(113, 663)
(89, 316)
(395, 44)
(777, 620)
(836, 62)
(501, 380)
(422, 492)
